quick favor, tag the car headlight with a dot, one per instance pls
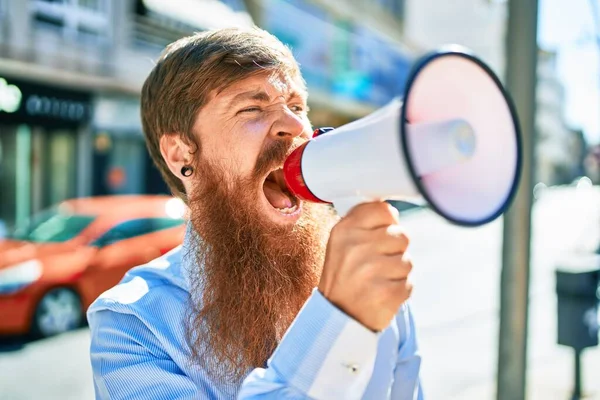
(19, 275)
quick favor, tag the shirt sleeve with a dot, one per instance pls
(407, 384)
(324, 354)
(131, 365)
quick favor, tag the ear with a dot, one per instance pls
(176, 153)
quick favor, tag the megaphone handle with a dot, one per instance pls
(344, 205)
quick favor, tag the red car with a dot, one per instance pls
(56, 265)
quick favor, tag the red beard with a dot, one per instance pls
(253, 275)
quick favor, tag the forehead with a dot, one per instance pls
(274, 84)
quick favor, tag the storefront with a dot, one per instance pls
(121, 162)
(43, 140)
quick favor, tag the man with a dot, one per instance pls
(264, 299)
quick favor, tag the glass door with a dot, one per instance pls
(61, 179)
(54, 167)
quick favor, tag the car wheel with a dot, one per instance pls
(58, 311)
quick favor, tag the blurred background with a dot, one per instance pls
(81, 202)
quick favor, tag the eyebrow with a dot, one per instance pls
(261, 96)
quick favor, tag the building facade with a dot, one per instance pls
(480, 25)
(44, 131)
(560, 150)
(71, 72)
(351, 52)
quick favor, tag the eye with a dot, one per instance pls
(297, 108)
(249, 109)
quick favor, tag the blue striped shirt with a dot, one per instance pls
(139, 348)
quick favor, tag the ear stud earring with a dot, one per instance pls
(187, 171)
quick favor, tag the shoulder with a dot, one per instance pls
(146, 289)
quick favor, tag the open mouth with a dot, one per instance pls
(278, 195)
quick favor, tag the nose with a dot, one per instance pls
(288, 125)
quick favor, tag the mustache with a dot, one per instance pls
(274, 156)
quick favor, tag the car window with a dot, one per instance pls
(135, 227)
(52, 225)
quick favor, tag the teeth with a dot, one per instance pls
(288, 210)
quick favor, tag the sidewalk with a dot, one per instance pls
(456, 300)
(550, 378)
(472, 347)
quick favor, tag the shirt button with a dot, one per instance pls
(353, 368)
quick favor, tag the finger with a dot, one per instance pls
(390, 240)
(400, 290)
(391, 268)
(373, 215)
(395, 293)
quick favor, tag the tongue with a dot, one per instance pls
(276, 197)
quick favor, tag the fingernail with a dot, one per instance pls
(394, 230)
(394, 211)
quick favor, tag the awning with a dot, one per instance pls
(203, 14)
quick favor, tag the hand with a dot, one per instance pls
(366, 269)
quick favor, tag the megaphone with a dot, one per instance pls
(452, 141)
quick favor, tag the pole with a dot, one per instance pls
(521, 65)
(578, 385)
(596, 18)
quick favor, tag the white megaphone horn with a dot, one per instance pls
(453, 141)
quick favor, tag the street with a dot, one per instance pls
(455, 302)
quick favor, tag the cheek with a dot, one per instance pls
(239, 146)
(250, 142)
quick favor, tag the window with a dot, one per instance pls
(134, 228)
(398, 9)
(73, 18)
(52, 226)
(3, 17)
(236, 5)
(394, 7)
(153, 31)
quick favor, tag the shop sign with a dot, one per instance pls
(54, 107)
(338, 57)
(31, 103)
(307, 30)
(377, 71)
